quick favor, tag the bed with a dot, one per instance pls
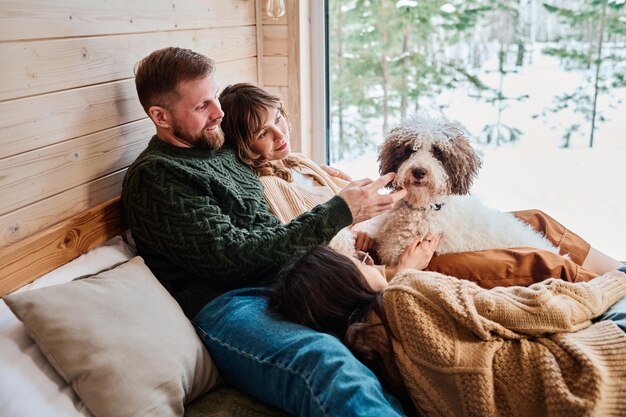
(70, 124)
(67, 355)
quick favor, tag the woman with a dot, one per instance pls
(452, 348)
(256, 127)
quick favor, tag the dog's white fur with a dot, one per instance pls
(343, 242)
(436, 165)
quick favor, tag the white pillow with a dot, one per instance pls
(26, 373)
(120, 340)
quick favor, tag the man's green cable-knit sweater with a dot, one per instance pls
(200, 222)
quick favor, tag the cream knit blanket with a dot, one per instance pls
(520, 351)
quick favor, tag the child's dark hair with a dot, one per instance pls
(324, 290)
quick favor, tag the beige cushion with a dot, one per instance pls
(120, 340)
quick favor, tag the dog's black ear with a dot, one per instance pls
(396, 149)
(460, 162)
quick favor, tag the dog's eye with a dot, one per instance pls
(437, 153)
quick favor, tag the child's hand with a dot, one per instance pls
(363, 241)
(419, 252)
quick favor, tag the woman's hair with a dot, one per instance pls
(246, 107)
(158, 74)
(324, 290)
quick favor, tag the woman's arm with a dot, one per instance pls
(552, 306)
(416, 255)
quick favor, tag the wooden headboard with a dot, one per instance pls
(39, 254)
(70, 121)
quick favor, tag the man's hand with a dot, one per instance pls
(363, 199)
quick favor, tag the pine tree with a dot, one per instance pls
(387, 56)
(594, 43)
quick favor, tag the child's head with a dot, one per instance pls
(330, 292)
(322, 289)
(255, 125)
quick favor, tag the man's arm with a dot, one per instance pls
(194, 233)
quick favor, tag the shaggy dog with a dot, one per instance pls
(435, 163)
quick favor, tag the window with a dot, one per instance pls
(540, 89)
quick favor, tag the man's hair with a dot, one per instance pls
(246, 107)
(157, 76)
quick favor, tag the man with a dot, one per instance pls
(200, 222)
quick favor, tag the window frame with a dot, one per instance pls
(320, 109)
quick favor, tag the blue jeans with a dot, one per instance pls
(291, 367)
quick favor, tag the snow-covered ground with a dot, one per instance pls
(585, 189)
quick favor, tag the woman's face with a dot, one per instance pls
(272, 141)
(374, 278)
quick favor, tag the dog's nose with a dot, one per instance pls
(418, 173)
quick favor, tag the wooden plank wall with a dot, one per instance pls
(70, 122)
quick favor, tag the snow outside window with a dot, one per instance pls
(539, 87)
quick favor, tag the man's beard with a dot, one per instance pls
(213, 139)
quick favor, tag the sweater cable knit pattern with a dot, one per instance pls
(519, 351)
(200, 222)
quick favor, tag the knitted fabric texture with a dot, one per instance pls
(519, 351)
(200, 222)
(287, 200)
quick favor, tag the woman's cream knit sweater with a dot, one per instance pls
(519, 351)
(288, 200)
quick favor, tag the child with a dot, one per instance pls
(453, 348)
